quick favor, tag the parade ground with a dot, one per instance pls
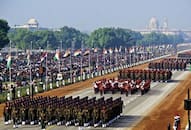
(154, 110)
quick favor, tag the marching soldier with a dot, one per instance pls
(80, 117)
(157, 76)
(58, 114)
(39, 110)
(161, 75)
(6, 114)
(104, 114)
(23, 116)
(86, 114)
(42, 118)
(49, 114)
(169, 75)
(165, 76)
(14, 117)
(67, 113)
(148, 74)
(75, 112)
(31, 115)
(152, 75)
(96, 114)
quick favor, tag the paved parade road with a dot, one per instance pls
(135, 106)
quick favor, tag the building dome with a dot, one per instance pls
(32, 23)
(153, 24)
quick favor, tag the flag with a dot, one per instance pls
(125, 49)
(104, 51)
(57, 55)
(148, 49)
(95, 49)
(110, 51)
(131, 50)
(44, 55)
(28, 57)
(67, 53)
(9, 62)
(116, 50)
(120, 49)
(77, 53)
(87, 52)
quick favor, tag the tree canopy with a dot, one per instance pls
(101, 38)
(43, 38)
(154, 38)
(111, 37)
(4, 28)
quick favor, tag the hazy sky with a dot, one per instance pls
(91, 14)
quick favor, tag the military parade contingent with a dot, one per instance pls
(154, 75)
(78, 111)
(94, 65)
(126, 86)
(132, 80)
(62, 111)
(169, 64)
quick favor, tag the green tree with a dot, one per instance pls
(159, 38)
(113, 37)
(41, 38)
(4, 28)
(70, 36)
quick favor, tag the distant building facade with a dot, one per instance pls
(154, 26)
(32, 24)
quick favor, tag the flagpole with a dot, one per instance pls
(81, 65)
(89, 62)
(130, 58)
(104, 59)
(110, 59)
(60, 56)
(10, 66)
(71, 65)
(125, 55)
(46, 64)
(97, 62)
(116, 58)
(30, 70)
(82, 55)
(10, 72)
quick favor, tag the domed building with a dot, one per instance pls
(153, 24)
(32, 24)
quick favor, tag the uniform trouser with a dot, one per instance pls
(43, 125)
(14, 121)
(6, 118)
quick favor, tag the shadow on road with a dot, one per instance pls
(174, 81)
(125, 121)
